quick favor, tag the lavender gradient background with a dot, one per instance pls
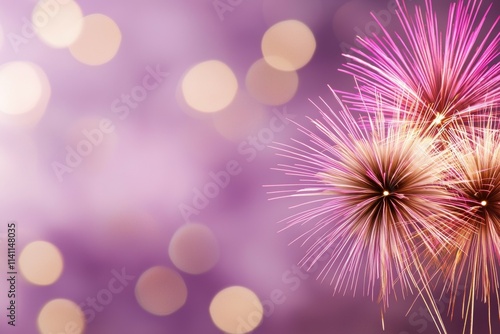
(161, 153)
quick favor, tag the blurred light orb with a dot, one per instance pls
(236, 310)
(269, 85)
(21, 87)
(160, 291)
(61, 316)
(194, 249)
(209, 86)
(288, 45)
(57, 25)
(98, 41)
(22, 105)
(41, 263)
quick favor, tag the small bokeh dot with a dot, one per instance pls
(41, 263)
(209, 86)
(161, 291)
(98, 42)
(236, 310)
(288, 45)
(194, 249)
(61, 316)
(58, 26)
(269, 85)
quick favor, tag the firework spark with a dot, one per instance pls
(475, 179)
(452, 75)
(373, 199)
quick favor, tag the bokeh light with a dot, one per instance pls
(98, 42)
(288, 45)
(61, 316)
(194, 249)
(236, 310)
(57, 25)
(161, 291)
(21, 87)
(209, 86)
(41, 263)
(269, 85)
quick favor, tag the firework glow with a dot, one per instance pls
(475, 181)
(375, 200)
(414, 184)
(452, 73)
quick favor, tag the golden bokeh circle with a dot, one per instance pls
(161, 291)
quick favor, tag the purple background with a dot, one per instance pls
(163, 153)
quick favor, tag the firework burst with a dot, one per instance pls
(475, 179)
(373, 200)
(451, 76)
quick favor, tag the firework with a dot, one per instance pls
(372, 198)
(450, 74)
(475, 180)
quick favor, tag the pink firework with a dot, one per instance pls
(475, 179)
(450, 74)
(372, 200)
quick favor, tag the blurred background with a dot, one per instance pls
(135, 146)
